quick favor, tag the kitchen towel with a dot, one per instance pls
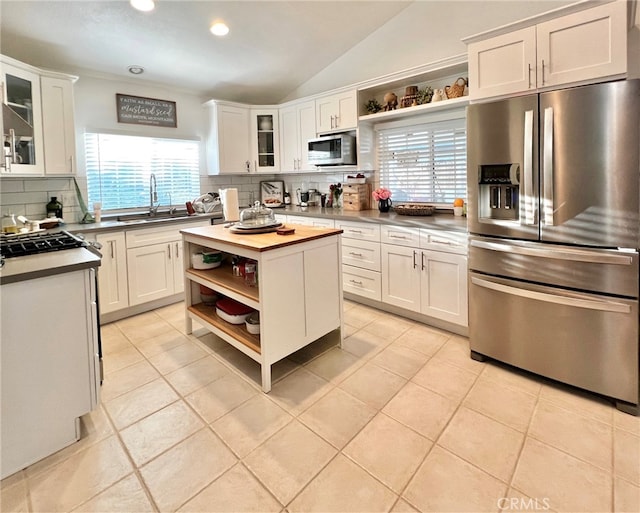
(230, 208)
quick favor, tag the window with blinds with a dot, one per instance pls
(119, 168)
(424, 162)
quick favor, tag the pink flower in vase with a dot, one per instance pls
(382, 193)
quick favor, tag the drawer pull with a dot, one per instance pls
(356, 282)
(391, 236)
(445, 242)
(355, 231)
(355, 254)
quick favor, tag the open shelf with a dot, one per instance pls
(414, 111)
(223, 276)
(237, 331)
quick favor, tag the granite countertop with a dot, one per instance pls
(439, 221)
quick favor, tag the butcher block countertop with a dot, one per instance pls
(261, 241)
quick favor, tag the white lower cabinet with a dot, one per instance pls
(432, 283)
(155, 262)
(112, 274)
(150, 272)
(361, 259)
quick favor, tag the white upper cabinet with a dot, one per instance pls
(503, 64)
(265, 140)
(297, 126)
(337, 112)
(228, 144)
(581, 47)
(58, 125)
(21, 93)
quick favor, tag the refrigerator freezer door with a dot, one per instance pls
(586, 340)
(590, 139)
(503, 133)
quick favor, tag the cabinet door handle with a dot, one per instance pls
(248, 166)
(169, 248)
(529, 75)
(337, 121)
(71, 163)
(422, 260)
(414, 260)
(112, 251)
(177, 250)
(542, 71)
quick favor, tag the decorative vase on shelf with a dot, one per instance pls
(384, 205)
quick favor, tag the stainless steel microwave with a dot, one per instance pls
(333, 150)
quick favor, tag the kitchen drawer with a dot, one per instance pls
(400, 235)
(449, 242)
(167, 233)
(361, 282)
(361, 231)
(361, 253)
(311, 221)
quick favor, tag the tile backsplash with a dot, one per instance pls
(29, 196)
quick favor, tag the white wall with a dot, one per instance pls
(426, 31)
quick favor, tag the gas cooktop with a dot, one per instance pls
(33, 243)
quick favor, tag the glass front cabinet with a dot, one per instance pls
(265, 141)
(22, 124)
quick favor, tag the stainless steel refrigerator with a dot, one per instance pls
(554, 219)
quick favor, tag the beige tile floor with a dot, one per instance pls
(398, 419)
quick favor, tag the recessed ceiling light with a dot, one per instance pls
(142, 5)
(136, 70)
(219, 28)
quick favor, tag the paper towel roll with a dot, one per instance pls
(230, 209)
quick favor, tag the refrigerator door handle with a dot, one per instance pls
(547, 159)
(576, 302)
(526, 203)
(572, 255)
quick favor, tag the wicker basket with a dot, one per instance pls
(457, 89)
(414, 209)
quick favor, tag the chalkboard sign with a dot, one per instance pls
(145, 111)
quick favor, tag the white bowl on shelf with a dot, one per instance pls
(252, 322)
(206, 260)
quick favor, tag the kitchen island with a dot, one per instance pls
(298, 290)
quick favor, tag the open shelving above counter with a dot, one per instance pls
(390, 115)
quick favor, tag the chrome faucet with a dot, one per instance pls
(153, 194)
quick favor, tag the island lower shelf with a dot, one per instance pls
(237, 331)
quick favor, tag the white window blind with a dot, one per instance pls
(425, 162)
(119, 169)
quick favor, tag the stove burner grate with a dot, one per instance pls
(35, 243)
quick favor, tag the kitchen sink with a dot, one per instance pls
(147, 216)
